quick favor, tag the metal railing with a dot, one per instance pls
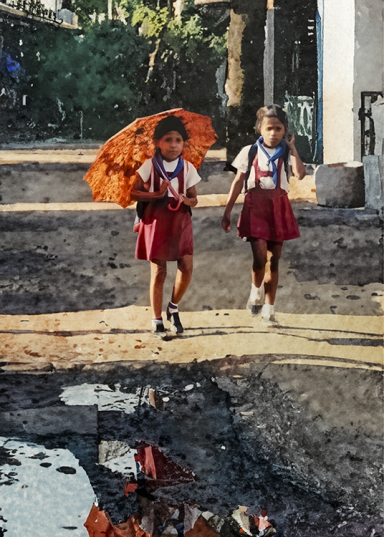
(33, 8)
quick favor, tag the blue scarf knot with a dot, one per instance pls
(158, 164)
(280, 150)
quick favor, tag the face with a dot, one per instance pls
(272, 130)
(171, 145)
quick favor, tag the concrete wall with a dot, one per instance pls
(369, 57)
(353, 62)
(338, 74)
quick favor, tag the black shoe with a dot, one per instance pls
(176, 325)
(158, 328)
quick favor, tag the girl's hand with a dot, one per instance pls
(191, 202)
(290, 140)
(226, 222)
(298, 168)
(162, 190)
(191, 198)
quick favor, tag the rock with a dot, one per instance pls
(374, 181)
(340, 185)
(98, 524)
(201, 529)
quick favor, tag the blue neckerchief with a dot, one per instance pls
(157, 162)
(280, 150)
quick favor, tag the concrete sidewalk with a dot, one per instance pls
(87, 313)
(43, 176)
(65, 340)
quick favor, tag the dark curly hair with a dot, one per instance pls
(272, 110)
(170, 123)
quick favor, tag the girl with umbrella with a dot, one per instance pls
(166, 185)
(267, 219)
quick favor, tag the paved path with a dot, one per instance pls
(67, 339)
(101, 291)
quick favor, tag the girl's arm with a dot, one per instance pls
(140, 191)
(234, 192)
(191, 198)
(298, 168)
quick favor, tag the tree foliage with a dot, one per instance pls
(93, 81)
(187, 52)
(87, 11)
(95, 76)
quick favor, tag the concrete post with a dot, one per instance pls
(245, 81)
(178, 7)
(235, 77)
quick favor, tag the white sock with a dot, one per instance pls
(157, 321)
(172, 307)
(255, 292)
(267, 309)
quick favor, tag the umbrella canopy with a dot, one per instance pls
(112, 175)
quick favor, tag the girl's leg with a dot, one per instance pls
(158, 275)
(271, 278)
(259, 251)
(183, 278)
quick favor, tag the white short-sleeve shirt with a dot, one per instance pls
(191, 177)
(241, 163)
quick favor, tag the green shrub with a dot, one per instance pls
(94, 77)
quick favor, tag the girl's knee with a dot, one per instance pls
(274, 262)
(185, 265)
(274, 256)
(259, 262)
(158, 272)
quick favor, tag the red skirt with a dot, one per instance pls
(164, 234)
(268, 215)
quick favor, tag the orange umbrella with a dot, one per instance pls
(112, 175)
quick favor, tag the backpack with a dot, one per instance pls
(251, 157)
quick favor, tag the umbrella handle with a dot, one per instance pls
(177, 206)
(176, 196)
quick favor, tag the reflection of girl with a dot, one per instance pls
(165, 232)
(266, 220)
(265, 528)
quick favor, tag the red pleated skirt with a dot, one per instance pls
(267, 214)
(164, 234)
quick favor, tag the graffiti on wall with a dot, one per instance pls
(302, 121)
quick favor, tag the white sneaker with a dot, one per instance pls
(268, 315)
(255, 304)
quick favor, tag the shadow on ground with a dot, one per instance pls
(72, 261)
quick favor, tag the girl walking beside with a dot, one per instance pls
(165, 231)
(267, 219)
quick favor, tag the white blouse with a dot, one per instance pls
(191, 177)
(241, 163)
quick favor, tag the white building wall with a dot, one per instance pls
(369, 57)
(52, 4)
(338, 78)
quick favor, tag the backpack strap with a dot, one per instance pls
(251, 157)
(285, 161)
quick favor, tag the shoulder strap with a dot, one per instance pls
(285, 161)
(251, 157)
